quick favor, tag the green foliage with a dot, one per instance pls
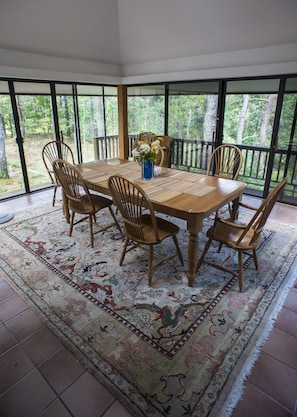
(186, 116)
(6, 114)
(146, 114)
(253, 118)
(187, 119)
(35, 115)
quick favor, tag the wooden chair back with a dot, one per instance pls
(51, 151)
(73, 185)
(146, 136)
(259, 219)
(132, 202)
(56, 150)
(160, 158)
(166, 144)
(225, 161)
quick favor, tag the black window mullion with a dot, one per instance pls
(19, 138)
(77, 124)
(280, 98)
(55, 111)
(220, 113)
(166, 109)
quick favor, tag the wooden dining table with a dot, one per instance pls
(185, 195)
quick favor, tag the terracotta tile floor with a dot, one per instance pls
(39, 377)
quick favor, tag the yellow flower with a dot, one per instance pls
(147, 150)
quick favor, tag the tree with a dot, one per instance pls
(266, 118)
(209, 125)
(3, 159)
(242, 117)
(99, 118)
(67, 116)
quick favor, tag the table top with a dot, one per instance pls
(179, 193)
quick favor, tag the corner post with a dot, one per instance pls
(123, 121)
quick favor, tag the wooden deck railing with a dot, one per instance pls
(193, 155)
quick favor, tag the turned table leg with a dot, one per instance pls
(192, 258)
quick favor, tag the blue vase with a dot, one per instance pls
(147, 170)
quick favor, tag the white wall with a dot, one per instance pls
(132, 41)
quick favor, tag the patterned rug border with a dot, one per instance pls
(226, 402)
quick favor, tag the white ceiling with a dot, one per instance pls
(76, 29)
(162, 29)
(120, 39)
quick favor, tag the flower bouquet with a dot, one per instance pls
(145, 152)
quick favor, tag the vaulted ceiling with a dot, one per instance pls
(147, 41)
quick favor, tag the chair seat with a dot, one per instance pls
(84, 206)
(165, 229)
(229, 235)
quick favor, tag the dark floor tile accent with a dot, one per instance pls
(14, 364)
(24, 324)
(87, 397)
(61, 370)
(11, 307)
(5, 290)
(41, 345)
(276, 380)
(283, 347)
(117, 410)
(287, 322)
(254, 403)
(6, 339)
(57, 409)
(27, 398)
(291, 300)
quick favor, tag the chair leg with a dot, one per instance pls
(124, 251)
(115, 219)
(54, 196)
(199, 263)
(71, 223)
(255, 257)
(180, 255)
(150, 266)
(240, 271)
(91, 230)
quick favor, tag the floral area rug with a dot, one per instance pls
(164, 350)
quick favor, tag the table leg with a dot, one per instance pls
(235, 207)
(192, 258)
